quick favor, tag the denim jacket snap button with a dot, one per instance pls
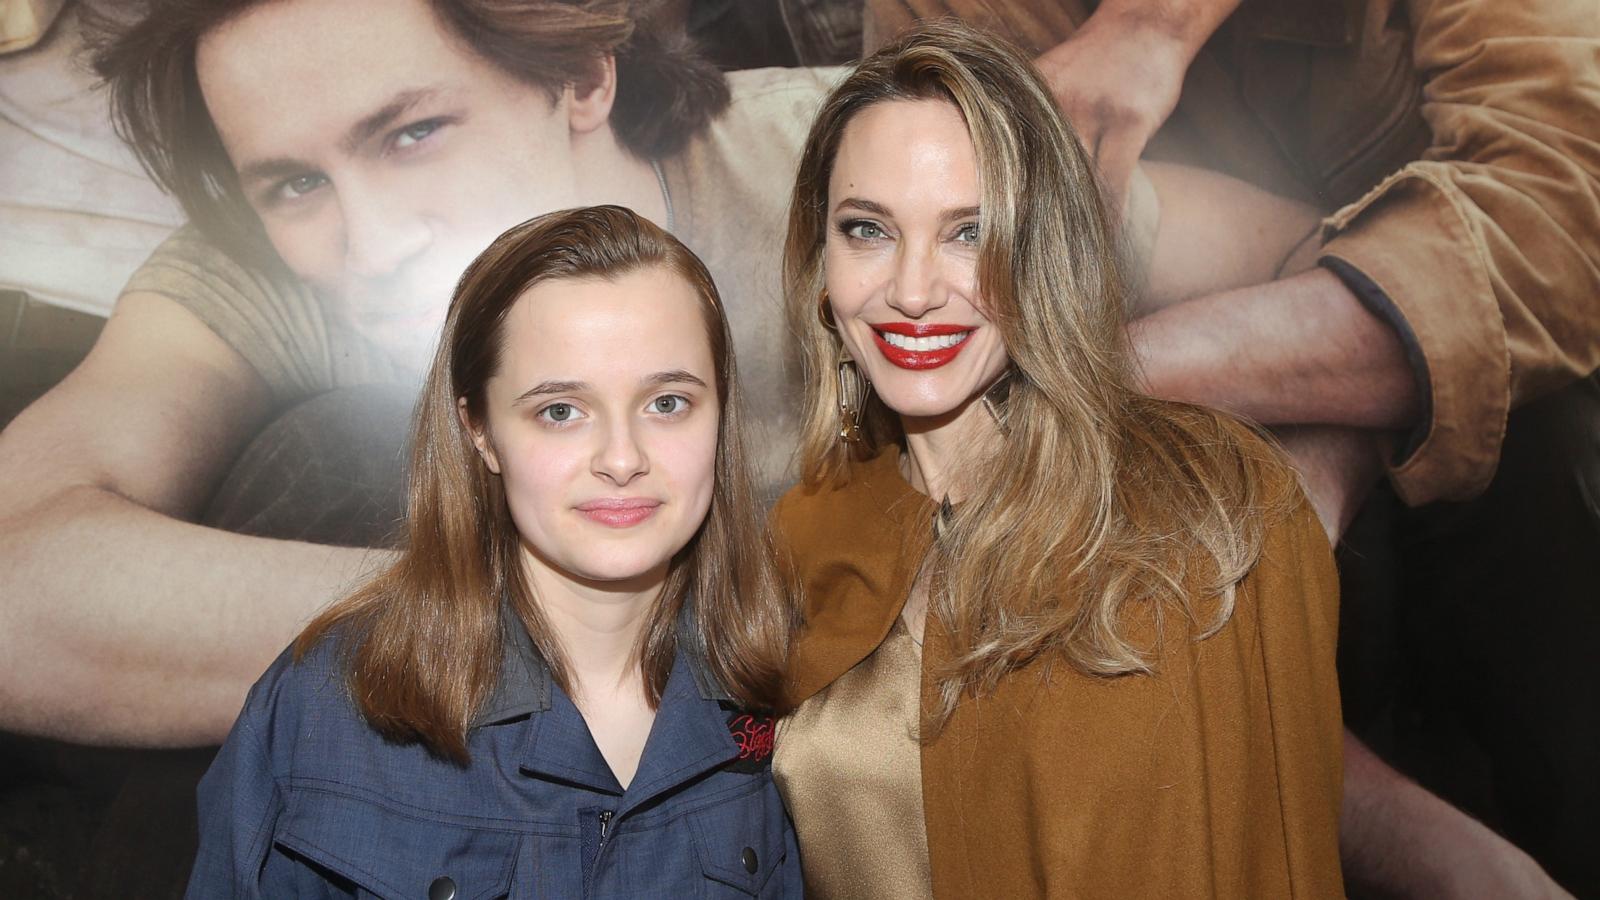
(748, 857)
(442, 888)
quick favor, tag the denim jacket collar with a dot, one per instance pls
(690, 735)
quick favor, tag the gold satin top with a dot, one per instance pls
(850, 770)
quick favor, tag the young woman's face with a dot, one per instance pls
(602, 423)
(901, 258)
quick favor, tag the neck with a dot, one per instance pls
(938, 448)
(597, 624)
(607, 173)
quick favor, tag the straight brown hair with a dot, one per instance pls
(423, 640)
(1153, 506)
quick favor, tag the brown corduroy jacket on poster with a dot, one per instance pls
(1218, 777)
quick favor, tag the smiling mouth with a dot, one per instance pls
(919, 347)
(620, 512)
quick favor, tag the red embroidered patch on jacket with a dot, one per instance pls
(754, 735)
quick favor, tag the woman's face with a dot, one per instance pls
(602, 424)
(901, 255)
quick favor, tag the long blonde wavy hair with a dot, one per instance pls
(1154, 506)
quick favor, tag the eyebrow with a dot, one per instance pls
(362, 131)
(674, 376)
(864, 205)
(878, 209)
(552, 387)
(658, 379)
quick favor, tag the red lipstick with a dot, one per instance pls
(908, 355)
(619, 512)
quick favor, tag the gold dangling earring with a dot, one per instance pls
(852, 401)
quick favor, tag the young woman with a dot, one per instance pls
(1061, 639)
(557, 689)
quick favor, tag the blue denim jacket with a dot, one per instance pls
(306, 800)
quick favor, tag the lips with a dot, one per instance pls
(619, 512)
(918, 345)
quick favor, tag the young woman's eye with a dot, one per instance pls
(416, 132)
(297, 186)
(670, 404)
(560, 413)
(862, 230)
(967, 233)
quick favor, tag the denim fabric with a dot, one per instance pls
(305, 800)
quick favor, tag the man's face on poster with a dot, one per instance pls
(381, 153)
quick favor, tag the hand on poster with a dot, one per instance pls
(1118, 78)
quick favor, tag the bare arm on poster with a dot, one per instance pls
(122, 622)
(1298, 350)
(1238, 315)
(1118, 78)
(1221, 327)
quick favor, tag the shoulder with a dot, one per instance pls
(753, 146)
(766, 123)
(1224, 478)
(803, 505)
(1287, 603)
(1202, 463)
(1293, 540)
(264, 313)
(760, 93)
(794, 522)
(295, 696)
(870, 500)
(188, 263)
(1296, 556)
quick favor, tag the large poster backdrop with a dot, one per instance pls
(244, 298)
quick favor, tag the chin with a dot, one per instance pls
(921, 405)
(618, 567)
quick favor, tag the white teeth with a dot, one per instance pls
(923, 344)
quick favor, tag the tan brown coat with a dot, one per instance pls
(1219, 777)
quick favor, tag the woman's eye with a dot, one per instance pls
(299, 185)
(560, 413)
(968, 233)
(863, 230)
(671, 403)
(414, 133)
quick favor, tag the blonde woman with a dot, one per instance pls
(1061, 639)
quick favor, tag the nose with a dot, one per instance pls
(380, 233)
(919, 285)
(620, 456)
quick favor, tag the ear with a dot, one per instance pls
(589, 101)
(480, 436)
